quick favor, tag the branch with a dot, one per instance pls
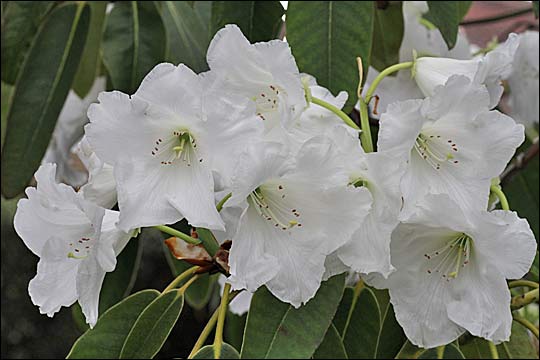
(497, 17)
(520, 162)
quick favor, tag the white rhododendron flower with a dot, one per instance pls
(164, 142)
(454, 144)
(294, 214)
(523, 81)
(101, 186)
(241, 303)
(489, 70)
(451, 271)
(76, 240)
(265, 73)
(369, 248)
(67, 132)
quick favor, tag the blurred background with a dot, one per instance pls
(27, 334)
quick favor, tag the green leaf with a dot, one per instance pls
(259, 20)
(451, 351)
(90, 59)
(387, 35)
(234, 329)
(391, 336)
(209, 241)
(105, 340)
(20, 23)
(362, 327)
(327, 36)
(153, 326)
(446, 15)
(188, 32)
(535, 8)
(39, 94)
(522, 192)
(332, 346)
(6, 99)
(409, 351)
(118, 284)
(134, 42)
(227, 352)
(278, 330)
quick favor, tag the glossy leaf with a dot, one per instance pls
(227, 352)
(153, 326)
(451, 351)
(39, 94)
(234, 329)
(259, 20)
(20, 23)
(134, 42)
(387, 35)
(446, 16)
(188, 32)
(278, 330)
(105, 340)
(332, 346)
(90, 59)
(327, 36)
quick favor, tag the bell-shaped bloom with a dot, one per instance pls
(453, 143)
(67, 132)
(523, 82)
(264, 72)
(488, 70)
(101, 186)
(380, 173)
(295, 213)
(164, 142)
(451, 271)
(76, 241)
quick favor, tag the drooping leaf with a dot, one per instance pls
(6, 95)
(20, 23)
(332, 346)
(387, 35)
(326, 37)
(278, 330)
(391, 336)
(90, 59)
(259, 20)
(451, 351)
(40, 91)
(133, 43)
(234, 329)
(153, 326)
(227, 352)
(188, 32)
(446, 16)
(363, 325)
(106, 339)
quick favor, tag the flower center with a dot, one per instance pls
(266, 101)
(269, 202)
(448, 260)
(80, 249)
(180, 145)
(435, 150)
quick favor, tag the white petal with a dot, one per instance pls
(505, 241)
(400, 125)
(334, 266)
(241, 303)
(89, 280)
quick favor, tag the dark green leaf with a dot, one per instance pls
(327, 36)
(331, 346)
(535, 8)
(40, 91)
(259, 20)
(20, 24)
(6, 95)
(362, 328)
(134, 42)
(227, 352)
(105, 340)
(391, 336)
(209, 240)
(387, 35)
(188, 32)
(409, 351)
(450, 352)
(278, 330)
(90, 59)
(446, 15)
(153, 326)
(234, 329)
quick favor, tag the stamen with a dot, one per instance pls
(450, 258)
(435, 152)
(272, 208)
